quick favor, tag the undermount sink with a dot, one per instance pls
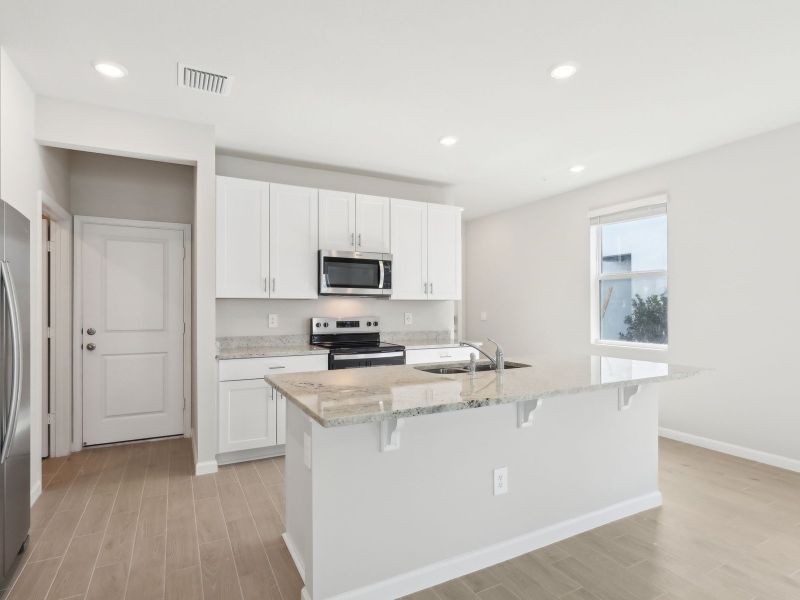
(465, 368)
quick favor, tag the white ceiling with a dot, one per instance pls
(371, 85)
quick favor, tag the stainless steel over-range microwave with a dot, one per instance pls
(355, 273)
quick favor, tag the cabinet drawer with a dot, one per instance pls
(434, 355)
(257, 368)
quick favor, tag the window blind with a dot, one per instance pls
(638, 209)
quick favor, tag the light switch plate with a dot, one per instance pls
(483, 315)
(409, 318)
(273, 320)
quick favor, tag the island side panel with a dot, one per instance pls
(398, 514)
(299, 533)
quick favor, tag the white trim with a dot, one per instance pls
(237, 456)
(206, 467)
(188, 317)
(631, 345)
(767, 458)
(445, 570)
(36, 491)
(295, 554)
(304, 595)
(631, 205)
(60, 365)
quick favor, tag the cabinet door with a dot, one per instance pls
(247, 415)
(372, 223)
(242, 238)
(444, 252)
(293, 223)
(337, 220)
(409, 233)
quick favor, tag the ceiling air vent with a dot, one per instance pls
(205, 81)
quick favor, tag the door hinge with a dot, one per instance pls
(51, 418)
(50, 333)
(184, 253)
(50, 246)
(184, 327)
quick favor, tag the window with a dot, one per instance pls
(629, 273)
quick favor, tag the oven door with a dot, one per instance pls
(354, 273)
(369, 359)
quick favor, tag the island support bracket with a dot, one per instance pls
(390, 434)
(624, 396)
(525, 412)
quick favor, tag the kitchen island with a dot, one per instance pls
(393, 473)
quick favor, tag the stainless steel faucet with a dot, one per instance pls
(499, 359)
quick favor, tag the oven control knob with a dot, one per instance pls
(375, 323)
(318, 324)
(369, 323)
(325, 325)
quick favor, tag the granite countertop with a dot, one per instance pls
(297, 344)
(352, 396)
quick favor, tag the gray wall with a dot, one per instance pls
(733, 285)
(102, 185)
(249, 317)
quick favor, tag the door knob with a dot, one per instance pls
(90, 346)
(91, 331)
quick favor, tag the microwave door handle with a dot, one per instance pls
(380, 270)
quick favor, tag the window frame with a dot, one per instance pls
(596, 271)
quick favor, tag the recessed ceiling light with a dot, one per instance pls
(110, 69)
(564, 71)
(448, 140)
(576, 168)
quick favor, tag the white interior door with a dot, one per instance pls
(45, 339)
(132, 301)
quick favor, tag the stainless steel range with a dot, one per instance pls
(355, 342)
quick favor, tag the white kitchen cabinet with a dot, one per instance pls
(353, 222)
(247, 415)
(372, 223)
(251, 414)
(293, 233)
(337, 220)
(242, 238)
(426, 251)
(423, 356)
(444, 252)
(409, 235)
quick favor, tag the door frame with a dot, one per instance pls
(188, 318)
(60, 364)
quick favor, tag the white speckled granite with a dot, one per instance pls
(264, 346)
(352, 396)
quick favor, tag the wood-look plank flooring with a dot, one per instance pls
(131, 521)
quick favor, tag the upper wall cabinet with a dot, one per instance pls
(293, 222)
(266, 240)
(409, 250)
(242, 238)
(444, 252)
(372, 223)
(353, 222)
(337, 220)
(426, 251)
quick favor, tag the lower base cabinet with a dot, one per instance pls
(252, 414)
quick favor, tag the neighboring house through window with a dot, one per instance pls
(629, 273)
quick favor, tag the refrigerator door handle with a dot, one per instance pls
(16, 349)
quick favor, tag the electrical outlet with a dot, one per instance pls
(409, 318)
(483, 315)
(500, 481)
(273, 320)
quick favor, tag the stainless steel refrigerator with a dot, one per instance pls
(15, 421)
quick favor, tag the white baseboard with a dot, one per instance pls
(304, 595)
(205, 467)
(36, 491)
(229, 458)
(775, 460)
(295, 554)
(431, 575)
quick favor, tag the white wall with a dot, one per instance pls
(249, 317)
(89, 128)
(103, 185)
(25, 169)
(733, 285)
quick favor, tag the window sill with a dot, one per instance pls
(631, 345)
